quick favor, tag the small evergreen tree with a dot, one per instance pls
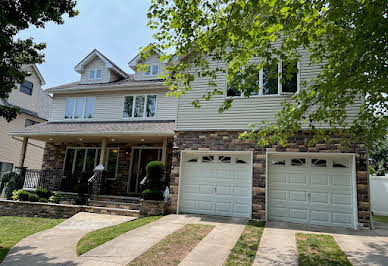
(154, 184)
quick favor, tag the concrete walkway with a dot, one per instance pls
(212, 250)
(363, 247)
(57, 245)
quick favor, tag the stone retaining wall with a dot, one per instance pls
(152, 207)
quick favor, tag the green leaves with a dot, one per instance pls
(345, 42)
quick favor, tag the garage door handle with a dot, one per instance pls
(309, 195)
(215, 189)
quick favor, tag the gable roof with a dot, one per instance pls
(135, 61)
(35, 68)
(108, 63)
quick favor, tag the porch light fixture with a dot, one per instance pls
(80, 139)
(141, 140)
(50, 139)
(113, 139)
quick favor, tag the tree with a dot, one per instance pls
(379, 155)
(17, 15)
(347, 38)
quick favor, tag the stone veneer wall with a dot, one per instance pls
(228, 141)
(54, 157)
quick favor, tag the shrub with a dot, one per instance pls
(81, 189)
(150, 194)
(20, 194)
(80, 200)
(43, 193)
(154, 184)
(43, 200)
(13, 180)
(55, 198)
(32, 197)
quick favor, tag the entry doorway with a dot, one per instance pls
(141, 156)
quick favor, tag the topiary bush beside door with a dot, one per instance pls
(154, 184)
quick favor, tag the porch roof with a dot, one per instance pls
(103, 129)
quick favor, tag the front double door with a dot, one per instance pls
(141, 156)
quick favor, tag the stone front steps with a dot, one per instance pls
(116, 205)
(112, 211)
(116, 198)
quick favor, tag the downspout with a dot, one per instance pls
(371, 226)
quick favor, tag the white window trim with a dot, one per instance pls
(261, 77)
(83, 108)
(150, 69)
(107, 159)
(145, 107)
(95, 74)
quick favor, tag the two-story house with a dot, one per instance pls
(108, 118)
(123, 121)
(34, 105)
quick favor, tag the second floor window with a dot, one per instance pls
(152, 70)
(139, 106)
(26, 87)
(95, 74)
(82, 107)
(273, 79)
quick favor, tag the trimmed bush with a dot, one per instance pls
(43, 193)
(13, 180)
(80, 200)
(55, 198)
(43, 200)
(81, 189)
(155, 169)
(150, 194)
(154, 184)
(33, 197)
(21, 195)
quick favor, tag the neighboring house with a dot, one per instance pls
(212, 171)
(34, 104)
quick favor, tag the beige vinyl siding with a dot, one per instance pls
(244, 111)
(109, 106)
(10, 147)
(26, 101)
(152, 59)
(94, 64)
(44, 106)
(113, 76)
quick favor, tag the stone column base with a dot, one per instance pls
(152, 207)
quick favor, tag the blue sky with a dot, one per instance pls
(117, 28)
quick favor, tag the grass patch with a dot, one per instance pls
(13, 229)
(319, 250)
(100, 236)
(244, 252)
(383, 219)
(175, 247)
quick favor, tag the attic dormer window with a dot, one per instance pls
(152, 70)
(95, 74)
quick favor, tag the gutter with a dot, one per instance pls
(93, 133)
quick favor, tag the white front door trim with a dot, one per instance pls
(214, 152)
(355, 208)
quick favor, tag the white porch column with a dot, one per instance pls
(164, 150)
(104, 145)
(23, 152)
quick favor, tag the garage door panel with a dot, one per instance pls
(313, 194)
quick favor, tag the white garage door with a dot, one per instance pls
(216, 183)
(311, 189)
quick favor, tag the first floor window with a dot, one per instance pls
(26, 87)
(82, 159)
(82, 107)
(111, 162)
(139, 106)
(5, 167)
(275, 78)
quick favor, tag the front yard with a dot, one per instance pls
(382, 219)
(13, 229)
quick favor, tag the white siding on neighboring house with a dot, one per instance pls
(23, 100)
(94, 64)
(44, 106)
(244, 111)
(151, 60)
(109, 106)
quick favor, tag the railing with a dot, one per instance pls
(56, 180)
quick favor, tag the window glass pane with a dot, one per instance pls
(206, 159)
(148, 72)
(79, 107)
(79, 160)
(139, 106)
(298, 162)
(289, 77)
(30, 122)
(155, 70)
(89, 108)
(69, 108)
(240, 161)
(26, 87)
(225, 159)
(233, 90)
(278, 162)
(340, 163)
(69, 159)
(90, 157)
(112, 163)
(318, 163)
(91, 74)
(98, 74)
(128, 103)
(98, 157)
(270, 79)
(151, 106)
(5, 167)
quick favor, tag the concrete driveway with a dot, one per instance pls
(363, 247)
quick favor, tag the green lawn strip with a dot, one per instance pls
(13, 229)
(100, 236)
(244, 252)
(382, 219)
(175, 247)
(319, 250)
